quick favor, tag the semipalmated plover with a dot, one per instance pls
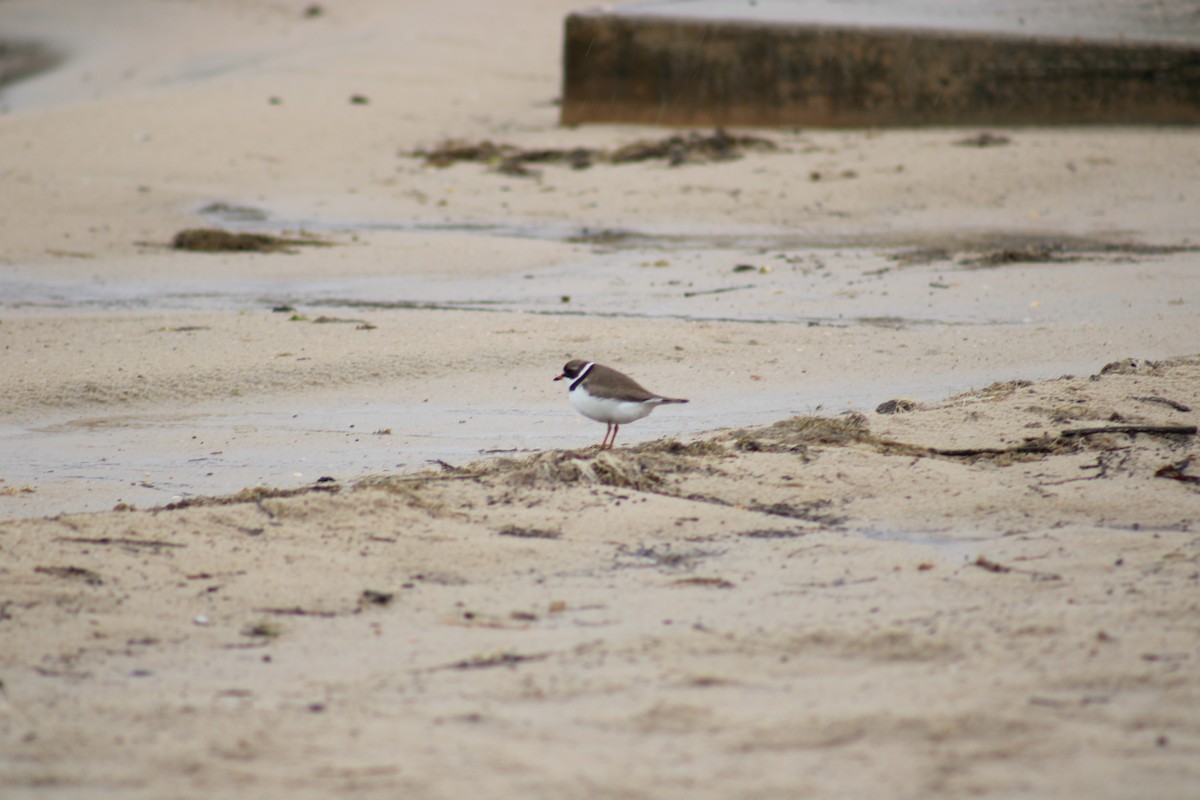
(605, 395)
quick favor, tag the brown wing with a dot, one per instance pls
(607, 382)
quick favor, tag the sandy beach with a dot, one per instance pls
(319, 523)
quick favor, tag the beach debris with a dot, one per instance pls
(1129, 366)
(810, 511)
(793, 432)
(642, 467)
(1000, 250)
(816, 176)
(262, 630)
(324, 320)
(991, 566)
(253, 494)
(451, 152)
(373, 597)
(72, 573)
(296, 611)
(1130, 430)
(217, 240)
(505, 658)
(771, 533)
(676, 150)
(897, 406)
(916, 256)
(694, 148)
(1178, 471)
(712, 583)
(1025, 254)
(1166, 402)
(528, 533)
(984, 139)
(721, 290)
(24, 59)
(123, 541)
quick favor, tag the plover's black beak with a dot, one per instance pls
(560, 377)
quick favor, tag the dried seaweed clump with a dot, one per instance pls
(693, 148)
(799, 431)
(675, 447)
(643, 471)
(1039, 253)
(452, 151)
(897, 406)
(1130, 366)
(998, 390)
(676, 150)
(215, 240)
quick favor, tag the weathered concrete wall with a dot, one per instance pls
(688, 72)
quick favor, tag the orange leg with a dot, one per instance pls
(610, 431)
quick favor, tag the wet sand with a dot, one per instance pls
(433, 583)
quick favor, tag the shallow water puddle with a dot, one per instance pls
(959, 545)
(95, 463)
(839, 287)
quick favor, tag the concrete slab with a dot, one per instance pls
(868, 63)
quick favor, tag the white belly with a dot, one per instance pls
(619, 412)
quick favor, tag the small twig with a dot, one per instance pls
(836, 583)
(295, 611)
(716, 583)
(1095, 477)
(992, 566)
(1101, 467)
(719, 291)
(1164, 401)
(73, 573)
(1035, 447)
(1159, 430)
(118, 540)
(497, 660)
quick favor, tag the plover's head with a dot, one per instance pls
(572, 369)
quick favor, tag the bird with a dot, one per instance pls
(606, 395)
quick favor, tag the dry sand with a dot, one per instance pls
(772, 591)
